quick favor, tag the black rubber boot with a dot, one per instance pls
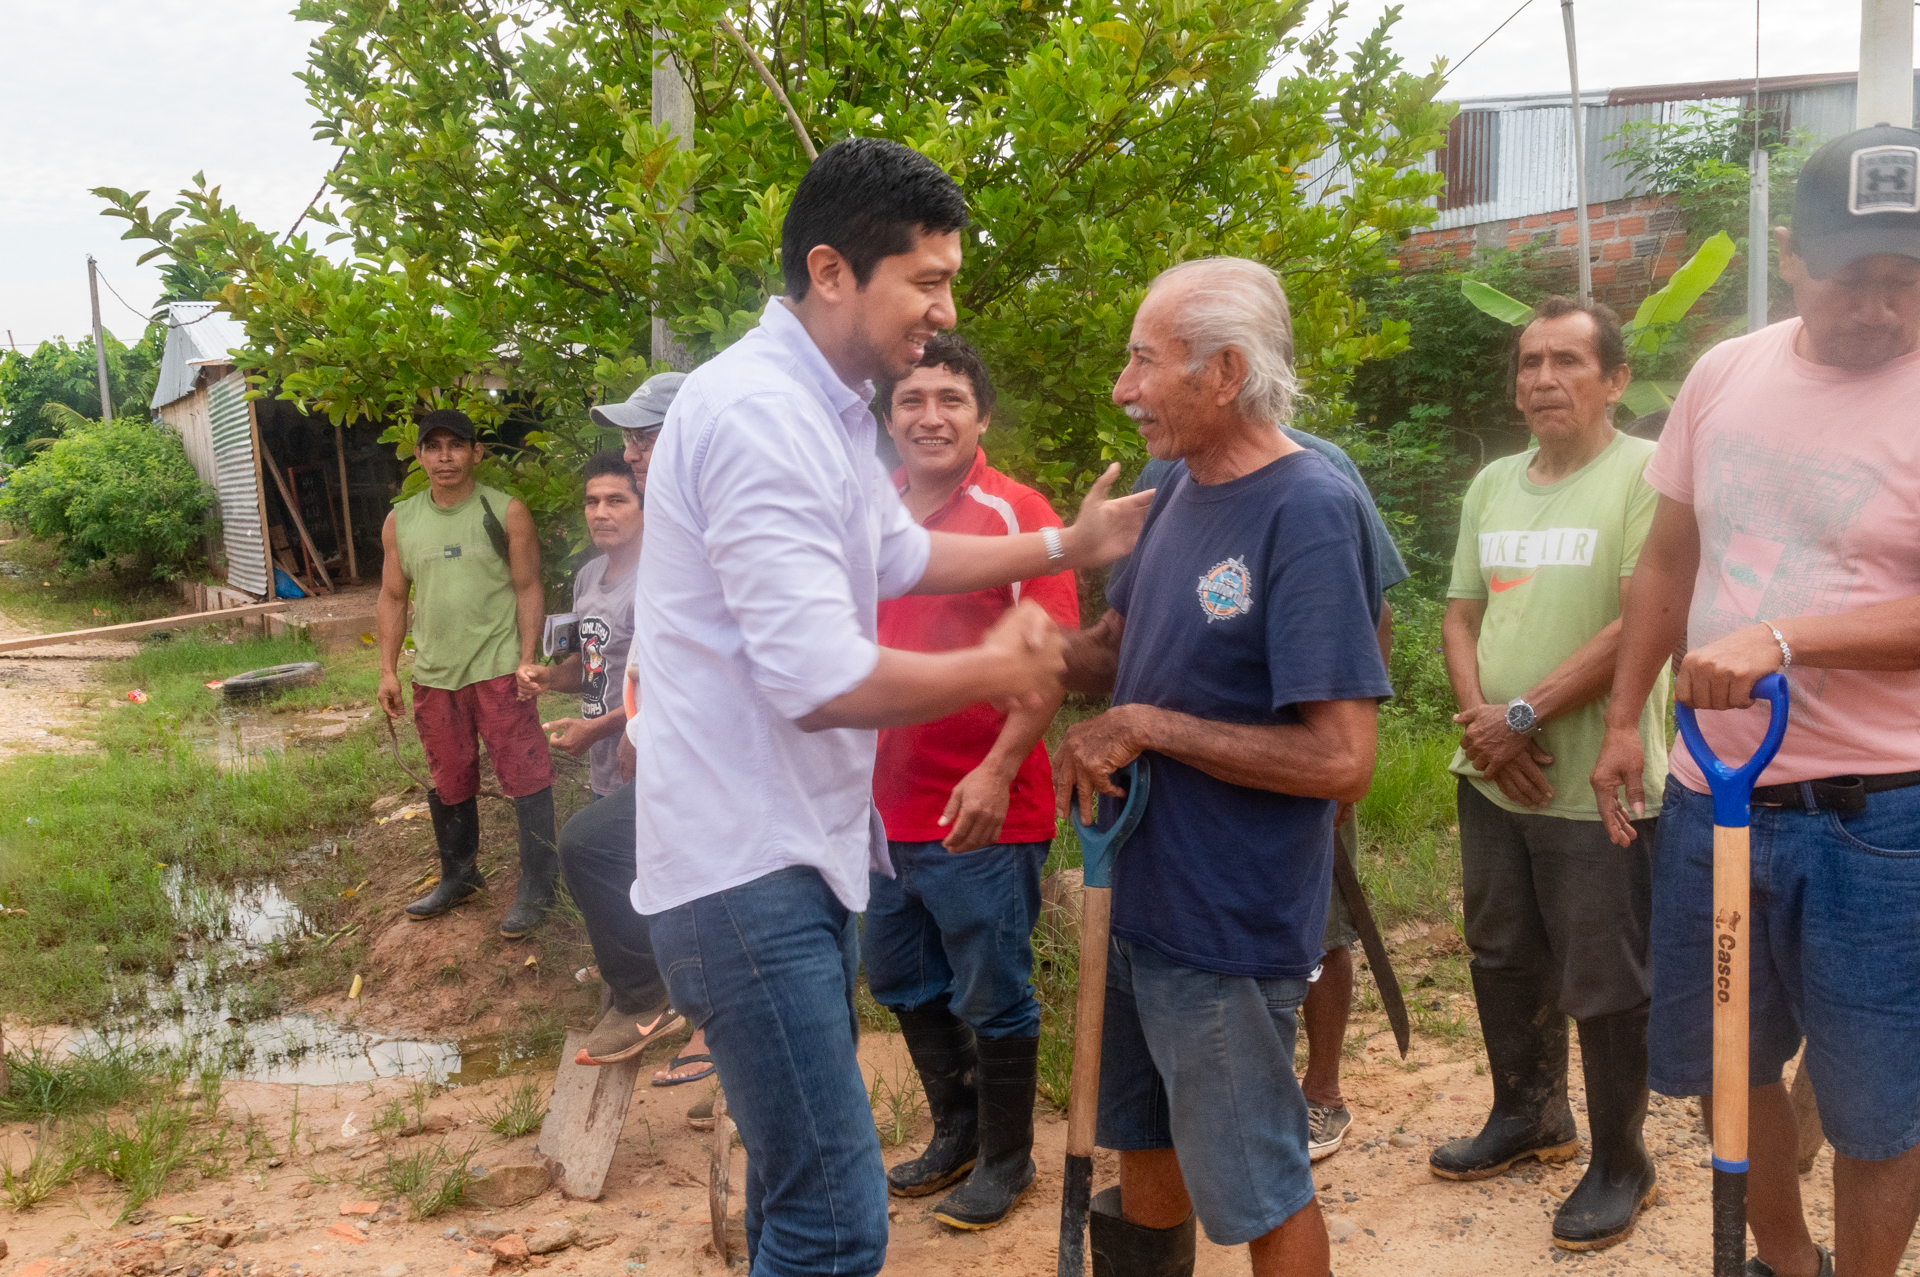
(1009, 1070)
(539, 864)
(1527, 1055)
(943, 1051)
(1620, 1179)
(1121, 1249)
(456, 830)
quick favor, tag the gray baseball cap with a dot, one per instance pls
(644, 409)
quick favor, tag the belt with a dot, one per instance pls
(1846, 795)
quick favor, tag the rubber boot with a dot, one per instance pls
(1527, 1055)
(539, 864)
(943, 1051)
(1121, 1249)
(456, 831)
(1620, 1178)
(1009, 1073)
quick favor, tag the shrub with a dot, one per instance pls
(120, 492)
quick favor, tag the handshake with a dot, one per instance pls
(1029, 659)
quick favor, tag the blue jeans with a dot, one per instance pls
(1202, 1063)
(767, 969)
(1834, 955)
(958, 929)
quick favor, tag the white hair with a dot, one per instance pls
(1232, 301)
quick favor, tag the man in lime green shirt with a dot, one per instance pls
(468, 555)
(1556, 916)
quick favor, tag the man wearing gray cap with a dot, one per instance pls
(1785, 540)
(639, 418)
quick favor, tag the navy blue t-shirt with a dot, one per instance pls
(1243, 600)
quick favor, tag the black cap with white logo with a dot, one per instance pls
(1859, 196)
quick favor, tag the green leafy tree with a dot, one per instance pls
(58, 375)
(118, 492)
(509, 215)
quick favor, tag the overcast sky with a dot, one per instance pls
(143, 95)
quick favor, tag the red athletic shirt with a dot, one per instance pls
(917, 767)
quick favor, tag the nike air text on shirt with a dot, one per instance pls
(1539, 548)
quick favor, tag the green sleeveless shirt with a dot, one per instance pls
(464, 627)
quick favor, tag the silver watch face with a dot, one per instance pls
(1520, 716)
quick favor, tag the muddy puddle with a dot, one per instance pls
(241, 740)
(208, 1004)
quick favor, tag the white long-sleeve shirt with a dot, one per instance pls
(772, 534)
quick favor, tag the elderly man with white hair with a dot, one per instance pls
(1241, 654)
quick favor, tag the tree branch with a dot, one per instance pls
(773, 87)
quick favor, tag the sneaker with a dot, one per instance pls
(1757, 1269)
(1326, 1127)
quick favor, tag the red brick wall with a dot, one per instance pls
(1635, 245)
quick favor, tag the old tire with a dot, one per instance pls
(259, 684)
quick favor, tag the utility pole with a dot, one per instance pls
(99, 345)
(1759, 218)
(1579, 154)
(1886, 64)
(672, 108)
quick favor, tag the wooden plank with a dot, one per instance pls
(132, 628)
(584, 1117)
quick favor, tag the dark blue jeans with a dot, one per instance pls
(958, 928)
(768, 970)
(596, 855)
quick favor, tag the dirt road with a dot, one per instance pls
(45, 691)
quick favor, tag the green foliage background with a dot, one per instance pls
(511, 216)
(57, 373)
(119, 492)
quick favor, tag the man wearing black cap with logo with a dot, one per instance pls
(1787, 538)
(468, 556)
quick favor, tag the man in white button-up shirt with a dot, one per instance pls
(772, 534)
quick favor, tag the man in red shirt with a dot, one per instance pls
(968, 805)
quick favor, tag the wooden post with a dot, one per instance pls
(99, 344)
(293, 506)
(346, 506)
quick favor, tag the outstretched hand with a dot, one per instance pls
(1031, 654)
(1107, 527)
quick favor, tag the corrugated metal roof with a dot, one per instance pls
(198, 334)
(237, 479)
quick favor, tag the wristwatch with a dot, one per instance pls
(1520, 715)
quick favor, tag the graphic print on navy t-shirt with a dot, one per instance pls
(594, 634)
(1223, 877)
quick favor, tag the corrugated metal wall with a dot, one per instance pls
(237, 473)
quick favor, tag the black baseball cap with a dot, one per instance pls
(1859, 196)
(451, 420)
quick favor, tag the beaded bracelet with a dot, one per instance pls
(1786, 653)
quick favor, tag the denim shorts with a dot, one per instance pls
(1835, 957)
(1202, 1063)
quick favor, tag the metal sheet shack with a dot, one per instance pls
(294, 492)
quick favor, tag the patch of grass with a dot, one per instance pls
(41, 1086)
(896, 1104)
(140, 1152)
(874, 1018)
(1410, 851)
(83, 839)
(519, 1113)
(46, 1170)
(443, 1183)
(32, 589)
(1056, 983)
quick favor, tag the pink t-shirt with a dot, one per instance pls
(1805, 481)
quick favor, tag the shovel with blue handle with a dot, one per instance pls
(1732, 789)
(1099, 844)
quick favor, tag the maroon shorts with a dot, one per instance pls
(452, 725)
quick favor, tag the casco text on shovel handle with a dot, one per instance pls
(1732, 789)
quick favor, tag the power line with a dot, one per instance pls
(1496, 31)
(124, 302)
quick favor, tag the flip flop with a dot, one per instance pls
(679, 1060)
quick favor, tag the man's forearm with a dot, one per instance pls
(1654, 620)
(390, 620)
(566, 676)
(913, 687)
(1885, 636)
(961, 564)
(1333, 760)
(530, 614)
(1460, 642)
(1581, 679)
(611, 723)
(1018, 735)
(1093, 656)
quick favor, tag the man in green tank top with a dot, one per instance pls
(468, 555)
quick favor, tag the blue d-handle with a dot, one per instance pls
(1733, 786)
(1099, 843)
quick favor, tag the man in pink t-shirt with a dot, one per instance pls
(1788, 538)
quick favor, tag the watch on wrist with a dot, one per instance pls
(1520, 715)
